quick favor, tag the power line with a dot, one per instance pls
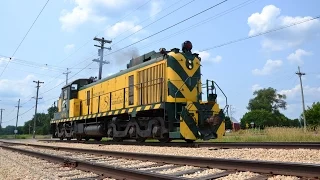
(24, 37)
(103, 31)
(69, 78)
(262, 33)
(155, 21)
(171, 5)
(168, 27)
(202, 22)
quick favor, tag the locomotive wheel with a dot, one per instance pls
(87, 139)
(61, 138)
(68, 138)
(165, 139)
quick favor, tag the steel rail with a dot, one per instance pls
(100, 169)
(265, 145)
(281, 168)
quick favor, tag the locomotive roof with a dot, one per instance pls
(154, 60)
(74, 82)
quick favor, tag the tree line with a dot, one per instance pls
(42, 124)
(264, 111)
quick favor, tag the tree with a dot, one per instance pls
(260, 118)
(313, 115)
(51, 111)
(267, 99)
(228, 123)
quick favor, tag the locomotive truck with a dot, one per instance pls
(158, 96)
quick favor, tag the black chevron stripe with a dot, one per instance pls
(175, 65)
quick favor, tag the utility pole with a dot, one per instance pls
(230, 112)
(299, 73)
(67, 73)
(100, 53)
(35, 113)
(16, 130)
(1, 117)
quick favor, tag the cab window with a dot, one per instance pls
(65, 94)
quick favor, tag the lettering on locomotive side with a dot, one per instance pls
(98, 93)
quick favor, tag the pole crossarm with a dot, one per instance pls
(100, 52)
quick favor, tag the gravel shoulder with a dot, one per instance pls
(282, 155)
(17, 166)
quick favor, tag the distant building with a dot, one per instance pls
(235, 124)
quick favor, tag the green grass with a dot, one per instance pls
(25, 136)
(273, 134)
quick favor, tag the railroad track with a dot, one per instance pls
(225, 145)
(96, 161)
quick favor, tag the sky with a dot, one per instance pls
(62, 37)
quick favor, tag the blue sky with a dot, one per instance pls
(62, 37)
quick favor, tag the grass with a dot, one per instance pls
(25, 136)
(272, 134)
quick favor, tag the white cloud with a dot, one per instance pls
(79, 15)
(68, 48)
(256, 87)
(268, 68)
(296, 56)
(121, 27)
(16, 88)
(270, 18)
(95, 11)
(217, 59)
(206, 57)
(3, 60)
(156, 7)
(310, 92)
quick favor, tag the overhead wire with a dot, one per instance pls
(175, 10)
(168, 27)
(262, 33)
(81, 69)
(241, 5)
(103, 31)
(77, 49)
(166, 8)
(24, 37)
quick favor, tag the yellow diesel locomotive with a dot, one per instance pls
(158, 96)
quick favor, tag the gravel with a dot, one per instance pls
(282, 177)
(127, 163)
(239, 176)
(14, 165)
(206, 172)
(17, 166)
(284, 155)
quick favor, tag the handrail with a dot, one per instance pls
(226, 106)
